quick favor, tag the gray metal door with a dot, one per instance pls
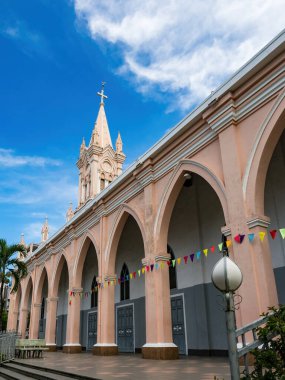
(125, 329)
(178, 329)
(92, 330)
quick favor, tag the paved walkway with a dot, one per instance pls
(134, 367)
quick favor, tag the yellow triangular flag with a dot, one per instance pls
(162, 265)
(282, 232)
(131, 275)
(262, 235)
(179, 260)
(112, 282)
(143, 270)
(205, 252)
(229, 243)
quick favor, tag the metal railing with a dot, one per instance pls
(7, 346)
(244, 347)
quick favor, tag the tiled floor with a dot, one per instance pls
(135, 368)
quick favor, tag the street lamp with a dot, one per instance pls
(227, 278)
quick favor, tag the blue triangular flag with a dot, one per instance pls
(198, 254)
(250, 237)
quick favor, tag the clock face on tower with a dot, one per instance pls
(107, 167)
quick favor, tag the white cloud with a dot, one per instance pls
(182, 47)
(9, 159)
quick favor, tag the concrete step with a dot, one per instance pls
(11, 375)
(32, 373)
(52, 370)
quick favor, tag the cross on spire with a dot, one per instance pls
(101, 94)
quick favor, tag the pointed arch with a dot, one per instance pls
(172, 191)
(40, 283)
(57, 273)
(87, 238)
(265, 143)
(122, 215)
(172, 269)
(25, 296)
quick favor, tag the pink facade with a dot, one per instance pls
(228, 142)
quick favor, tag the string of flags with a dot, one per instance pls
(238, 239)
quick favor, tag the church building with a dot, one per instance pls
(130, 270)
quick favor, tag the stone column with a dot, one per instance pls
(106, 343)
(11, 315)
(258, 289)
(23, 322)
(50, 332)
(35, 320)
(72, 345)
(159, 340)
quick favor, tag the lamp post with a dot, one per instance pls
(227, 278)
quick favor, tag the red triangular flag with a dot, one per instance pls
(213, 248)
(168, 263)
(273, 234)
(134, 274)
(237, 238)
(185, 259)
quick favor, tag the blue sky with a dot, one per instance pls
(159, 59)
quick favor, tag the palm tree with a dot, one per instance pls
(10, 266)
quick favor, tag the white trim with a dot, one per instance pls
(72, 345)
(51, 344)
(159, 345)
(184, 315)
(90, 312)
(105, 345)
(134, 325)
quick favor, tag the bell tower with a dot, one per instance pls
(99, 164)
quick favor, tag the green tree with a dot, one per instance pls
(11, 268)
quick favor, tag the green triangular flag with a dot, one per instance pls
(220, 247)
(173, 263)
(282, 232)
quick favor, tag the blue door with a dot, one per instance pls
(92, 330)
(178, 328)
(125, 329)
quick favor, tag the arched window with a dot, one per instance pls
(43, 308)
(125, 283)
(94, 293)
(172, 270)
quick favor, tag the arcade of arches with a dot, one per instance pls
(220, 173)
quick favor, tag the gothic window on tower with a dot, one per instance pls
(172, 270)
(125, 283)
(94, 293)
(102, 184)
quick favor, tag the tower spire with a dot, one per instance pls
(45, 230)
(101, 94)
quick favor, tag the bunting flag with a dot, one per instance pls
(220, 247)
(262, 235)
(237, 238)
(192, 257)
(134, 274)
(273, 233)
(147, 268)
(229, 243)
(168, 263)
(156, 266)
(185, 259)
(131, 276)
(250, 237)
(151, 267)
(205, 251)
(241, 238)
(162, 265)
(213, 249)
(282, 232)
(143, 270)
(198, 254)
(179, 260)
(139, 272)
(173, 263)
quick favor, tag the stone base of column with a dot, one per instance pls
(51, 347)
(105, 349)
(72, 348)
(160, 351)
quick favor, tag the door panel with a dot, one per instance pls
(178, 328)
(125, 329)
(92, 330)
